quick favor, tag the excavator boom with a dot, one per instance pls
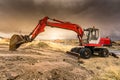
(17, 40)
(58, 24)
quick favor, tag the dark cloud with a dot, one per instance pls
(102, 8)
(19, 14)
(99, 7)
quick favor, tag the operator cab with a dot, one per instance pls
(91, 35)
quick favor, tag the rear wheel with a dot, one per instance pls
(104, 52)
(85, 53)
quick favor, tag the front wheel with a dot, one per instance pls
(85, 53)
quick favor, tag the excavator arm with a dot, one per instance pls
(40, 28)
(58, 24)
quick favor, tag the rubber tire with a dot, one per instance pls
(83, 52)
(104, 52)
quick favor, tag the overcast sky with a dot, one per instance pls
(23, 15)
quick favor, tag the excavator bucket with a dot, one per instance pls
(15, 42)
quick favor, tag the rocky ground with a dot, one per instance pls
(46, 61)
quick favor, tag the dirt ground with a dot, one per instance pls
(36, 63)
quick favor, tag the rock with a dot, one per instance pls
(11, 75)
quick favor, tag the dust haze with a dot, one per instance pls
(21, 16)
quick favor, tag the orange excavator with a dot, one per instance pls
(89, 39)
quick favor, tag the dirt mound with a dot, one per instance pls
(48, 45)
(70, 74)
(36, 44)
